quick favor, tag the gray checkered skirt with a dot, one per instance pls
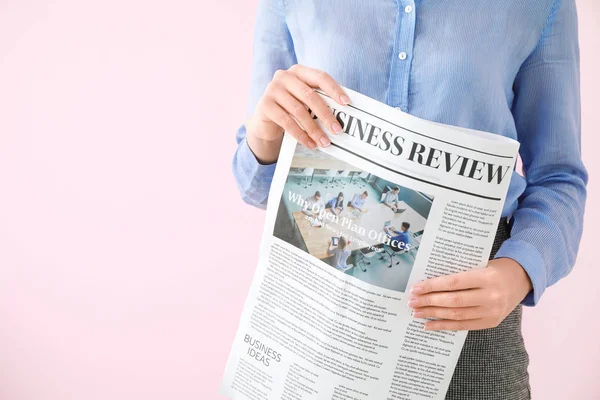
(493, 362)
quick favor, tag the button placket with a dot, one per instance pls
(406, 46)
(403, 48)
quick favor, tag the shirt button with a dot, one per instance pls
(402, 56)
(408, 9)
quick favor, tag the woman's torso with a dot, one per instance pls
(450, 61)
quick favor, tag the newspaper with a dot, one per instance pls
(401, 200)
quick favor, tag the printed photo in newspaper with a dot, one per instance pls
(360, 224)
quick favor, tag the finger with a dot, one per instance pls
(455, 314)
(282, 118)
(469, 325)
(460, 281)
(298, 111)
(461, 298)
(322, 80)
(307, 95)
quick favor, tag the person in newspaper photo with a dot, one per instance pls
(390, 198)
(336, 205)
(510, 67)
(312, 202)
(340, 253)
(358, 201)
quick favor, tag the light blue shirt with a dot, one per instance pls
(358, 201)
(335, 203)
(390, 198)
(510, 67)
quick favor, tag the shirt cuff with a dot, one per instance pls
(532, 262)
(250, 161)
(253, 178)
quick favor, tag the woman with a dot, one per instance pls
(340, 254)
(336, 205)
(509, 67)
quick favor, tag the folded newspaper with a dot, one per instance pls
(393, 201)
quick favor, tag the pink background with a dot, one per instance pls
(117, 279)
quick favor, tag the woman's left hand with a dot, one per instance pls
(471, 300)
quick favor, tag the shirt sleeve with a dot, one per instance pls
(548, 222)
(273, 50)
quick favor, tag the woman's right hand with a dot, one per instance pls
(283, 107)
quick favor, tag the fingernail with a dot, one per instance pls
(418, 314)
(345, 99)
(416, 289)
(324, 141)
(337, 128)
(412, 303)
